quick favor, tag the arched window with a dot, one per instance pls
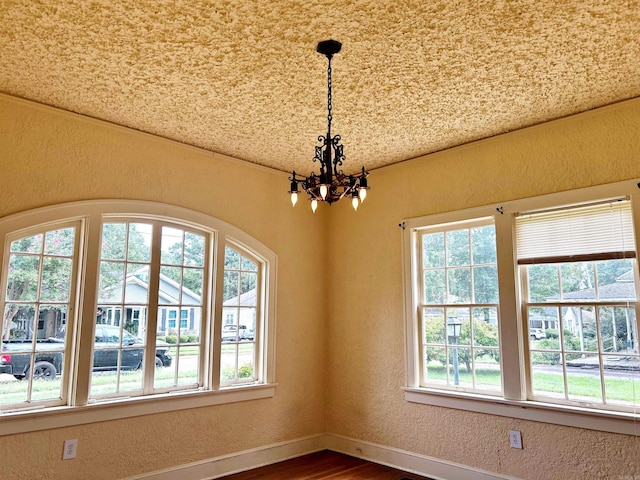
(113, 300)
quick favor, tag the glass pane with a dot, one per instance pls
(487, 369)
(111, 282)
(543, 323)
(139, 245)
(459, 282)
(229, 362)
(583, 383)
(434, 286)
(485, 284)
(546, 375)
(193, 283)
(113, 241)
(578, 281)
(248, 284)
(484, 244)
(56, 279)
(22, 280)
(60, 242)
(434, 365)
(433, 330)
(31, 244)
(615, 280)
(170, 283)
(46, 378)
(459, 326)
(187, 366)
(433, 250)
(485, 333)
(20, 320)
(622, 380)
(231, 287)
(249, 265)
(231, 259)
(52, 323)
(460, 367)
(579, 329)
(136, 292)
(458, 248)
(608, 341)
(193, 250)
(171, 246)
(544, 284)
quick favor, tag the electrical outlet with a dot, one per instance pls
(515, 439)
(70, 449)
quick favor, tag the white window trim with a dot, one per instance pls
(24, 420)
(514, 402)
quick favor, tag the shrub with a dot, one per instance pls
(171, 339)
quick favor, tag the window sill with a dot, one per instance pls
(57, 417)
(606, 421)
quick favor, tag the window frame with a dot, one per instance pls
(90, 216)
(513, 335)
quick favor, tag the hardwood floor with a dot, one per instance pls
(325, 465)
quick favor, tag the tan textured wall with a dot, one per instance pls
(48, 157)
(366, 325)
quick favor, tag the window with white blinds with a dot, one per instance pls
(566, 268)
(597, 231)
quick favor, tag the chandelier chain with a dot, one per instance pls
(329, 86)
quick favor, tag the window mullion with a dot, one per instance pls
(218, 299)
(152, 316)
(511, 334)
(91, 243)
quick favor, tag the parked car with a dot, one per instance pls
(48, 355)
(537, 333)
(231, 333)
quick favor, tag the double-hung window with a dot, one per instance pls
(532, 303)
(101, 305)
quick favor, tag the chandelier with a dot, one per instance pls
(331, 184)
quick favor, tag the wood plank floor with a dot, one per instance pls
(325, 465)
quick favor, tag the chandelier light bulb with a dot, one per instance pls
(355, 202)
(294, 198)
(314, 205)
(323, 191)
(362, 194)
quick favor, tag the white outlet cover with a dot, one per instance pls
(515, 439)
(70, 449)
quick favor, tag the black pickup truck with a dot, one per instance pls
(15, 358)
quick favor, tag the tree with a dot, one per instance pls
(485, 334)
(43, 260)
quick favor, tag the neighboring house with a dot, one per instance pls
(577, 320)
(241, 310)
(179, 310)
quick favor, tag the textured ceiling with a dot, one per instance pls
(243, 78)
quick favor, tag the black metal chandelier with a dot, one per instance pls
(331, 184)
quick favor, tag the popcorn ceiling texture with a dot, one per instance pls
(242, 78)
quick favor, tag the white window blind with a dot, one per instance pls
(597, 231)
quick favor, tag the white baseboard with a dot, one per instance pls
(217, 467)
(409, 462)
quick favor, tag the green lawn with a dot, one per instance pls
(587, 386)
